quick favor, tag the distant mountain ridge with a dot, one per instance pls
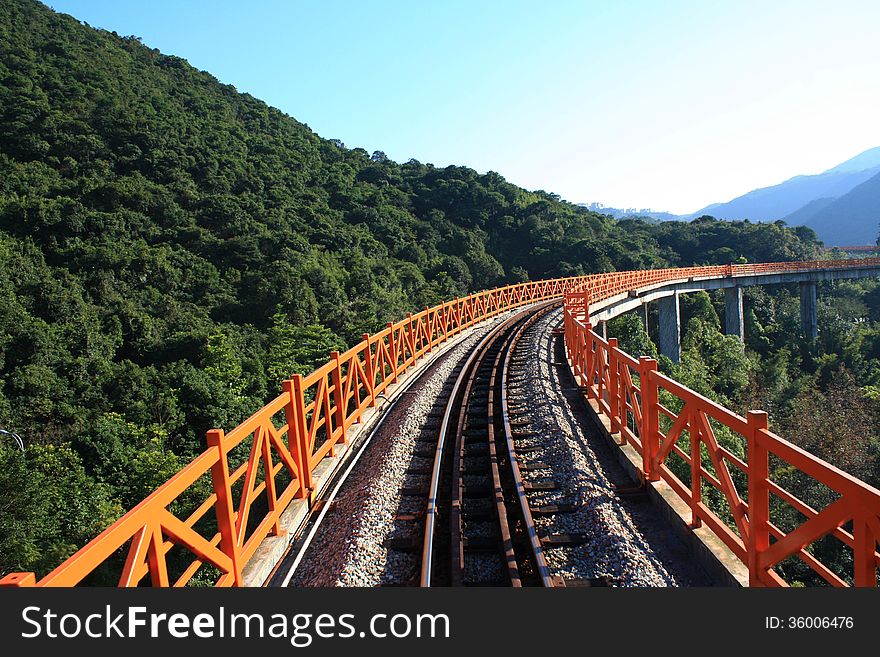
(867, 160)
(786, 198)
(842, 204)
(850, 220)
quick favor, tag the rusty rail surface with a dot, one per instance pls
(476, 415)
(258, 468)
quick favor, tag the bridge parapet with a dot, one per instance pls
(731, 279)
(704, 451)
(253, 472)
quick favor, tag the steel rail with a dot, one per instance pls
(298, 547)
(503, 516)
(457, 408)
(431, 511)
(529, 528)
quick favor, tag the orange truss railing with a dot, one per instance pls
(636, 399)
(210, 518)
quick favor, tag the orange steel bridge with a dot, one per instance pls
(260, 467)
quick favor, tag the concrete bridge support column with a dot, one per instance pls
(733, 312)
(809, 319)
(670, 327)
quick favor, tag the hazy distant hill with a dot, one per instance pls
(851, 219)
(804, 215)
(789, 197)
(867, 160)
(631, 213)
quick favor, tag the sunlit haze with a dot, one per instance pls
(667, 105)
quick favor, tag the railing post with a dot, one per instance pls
(337, 395)
(650, 417)
(411, 338)
(298, 440)
(759, 494)
(582, 349)
(568, 328)
(223, 507)
(371, 374)
(429, 329)
(614, 385)
(864, 546)
(696, 471)
(588, 359)
(392, 343)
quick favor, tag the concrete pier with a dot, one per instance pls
(809, 317)
(733, 312)
(670, 327)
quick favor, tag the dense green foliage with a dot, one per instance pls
(171, 249)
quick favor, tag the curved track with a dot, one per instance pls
(478, 526)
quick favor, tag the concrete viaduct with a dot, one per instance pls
(666, 295)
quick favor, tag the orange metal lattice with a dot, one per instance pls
(656, 433)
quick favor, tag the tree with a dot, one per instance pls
(50, 507)
(295, 349)
(724, 368)
(632, 336)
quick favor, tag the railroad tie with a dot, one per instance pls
(563, 540)
(540, 485)
(553, 509)
(531, 467)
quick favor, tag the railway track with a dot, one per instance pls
(464, 517)
(492, 342)
(478, 526)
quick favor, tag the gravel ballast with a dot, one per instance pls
(349, 549)
(628, 542)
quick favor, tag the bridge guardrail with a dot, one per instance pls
(681, 447)
(259, 467)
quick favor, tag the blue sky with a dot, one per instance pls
(664, 104)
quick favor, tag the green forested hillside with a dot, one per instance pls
(171, 249)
